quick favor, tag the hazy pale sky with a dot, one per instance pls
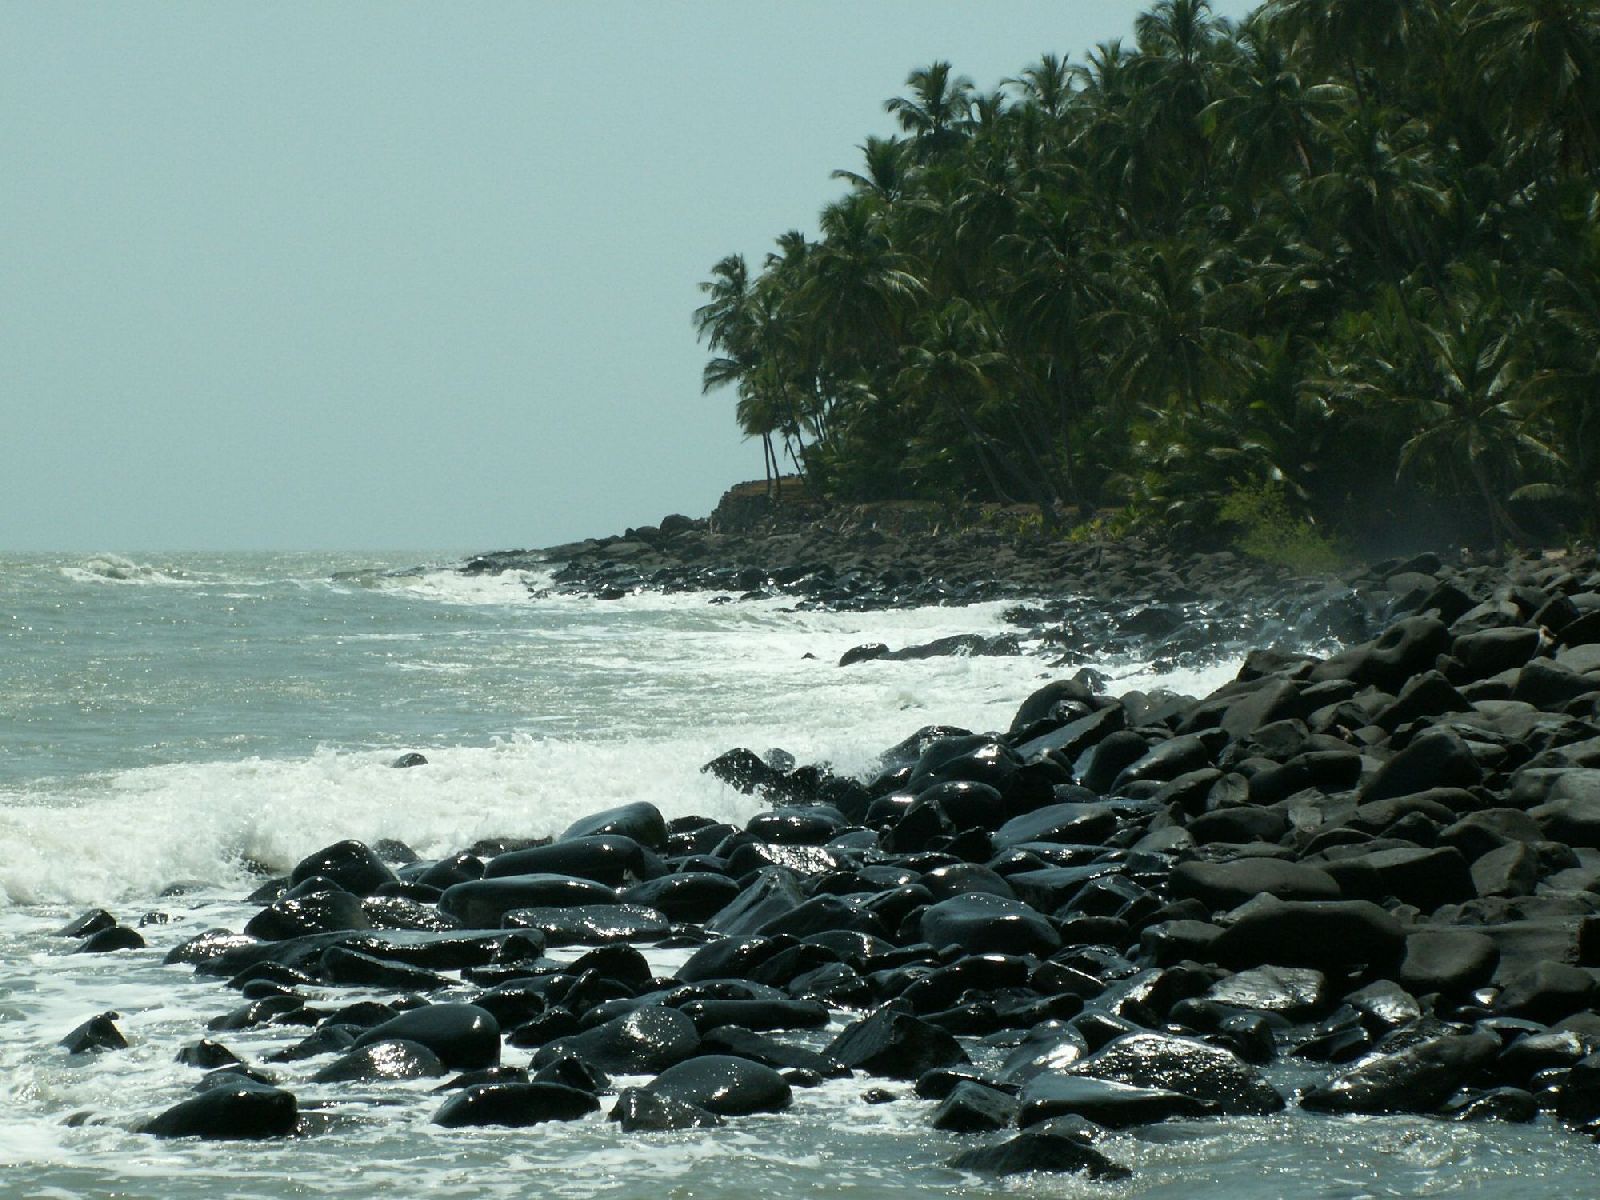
(414, 275)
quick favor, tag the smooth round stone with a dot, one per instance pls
(592, 924)
(240, 1110)
(318, 912)
(328, 1039)
(771, 895)
(724, 1085)
(610, 859)
(1104, 1101)
(118, 937)
(1044, 1147)
(973, 1108)
(390, 911)
(758, 1016)
(514, 1104)
(641, 821)
(960, 879)
(209, 946)
(797, 826)
(647, 1039)
(464, 1036)
(396, 1059)
(95, 1035)
(641, 1111)
(1418, 1079)
(91, 922)
(352, 865)
(895, 1044)
(482, 903)
(1324, 934)
(688, 896)
(484, 1075)
(1208, 1073)
(1296, 992)
(968, 803)
(342, 965)
(1225, 885)
(208, 1055)
(780, 1056)
(822, 913)
(571, 1071)
(981, 923)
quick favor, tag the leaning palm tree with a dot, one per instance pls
(726, 323)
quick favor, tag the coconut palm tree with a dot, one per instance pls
(884, 176)
(1268, 115)
(937, 110)
(1046, 85)
(1168, 321)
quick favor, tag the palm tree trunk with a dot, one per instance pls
(1500, 521)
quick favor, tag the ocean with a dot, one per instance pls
(174, 726)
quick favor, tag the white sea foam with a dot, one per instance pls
(449, 586)
(128, 834)
(596, 703)
(114, 568)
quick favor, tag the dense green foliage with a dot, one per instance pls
(1348, 250)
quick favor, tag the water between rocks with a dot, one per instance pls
(197, 719)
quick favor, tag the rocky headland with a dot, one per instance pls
(1376, 869)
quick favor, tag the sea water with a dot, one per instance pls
(172, 726)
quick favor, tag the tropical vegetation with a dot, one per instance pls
(1343, 251)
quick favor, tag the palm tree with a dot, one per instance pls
(859, 285)
(955, 371)
(1568, 387)
(885, 170)
(1178, 41)
(1047, 291)
(1267, 118)
(1167, 319)
(1539, 62)
(726, 323)
(939, 106)
(1460, 395)
(1046, 85)
(1360, 40)
(1104, 138)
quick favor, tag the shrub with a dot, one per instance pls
(1269, 531)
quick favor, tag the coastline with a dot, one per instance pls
(1379, 866)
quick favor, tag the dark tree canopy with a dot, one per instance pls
(1348, 250)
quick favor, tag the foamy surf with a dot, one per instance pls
(121, 835)
(202, 734)
(114, 568)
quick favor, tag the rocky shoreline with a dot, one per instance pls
(874, 557)
(1382, 867)
(1078, 602)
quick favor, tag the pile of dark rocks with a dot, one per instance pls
(861, 567)
(1381, 867)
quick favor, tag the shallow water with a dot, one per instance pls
(194, 718)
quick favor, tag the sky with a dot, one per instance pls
(381, 275)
